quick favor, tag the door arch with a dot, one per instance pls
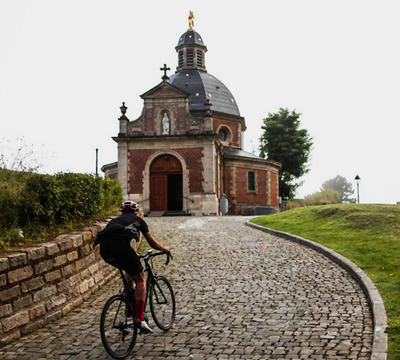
(166, 184)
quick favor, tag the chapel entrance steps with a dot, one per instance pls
(168, 213)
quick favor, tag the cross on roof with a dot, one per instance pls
(165, 69)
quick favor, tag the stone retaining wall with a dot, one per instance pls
(42, 283)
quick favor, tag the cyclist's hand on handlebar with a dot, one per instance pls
(167, 250)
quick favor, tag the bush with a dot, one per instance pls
(29, 199)
(324, 197)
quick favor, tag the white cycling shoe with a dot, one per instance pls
(144, 328)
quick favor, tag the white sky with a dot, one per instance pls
(66, 67)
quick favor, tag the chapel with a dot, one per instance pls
(184, 153)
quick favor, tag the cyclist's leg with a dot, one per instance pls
(135, 270)
(140, 294)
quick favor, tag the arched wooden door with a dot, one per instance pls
(166, 184)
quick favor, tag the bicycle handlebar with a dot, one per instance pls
(150, 254)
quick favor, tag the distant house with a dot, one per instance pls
(184, 152)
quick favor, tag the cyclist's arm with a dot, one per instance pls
(155, 244)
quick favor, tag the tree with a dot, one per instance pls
(19, 156)
(343, 188)
(284, 141)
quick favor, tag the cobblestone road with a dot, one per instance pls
(241, 294)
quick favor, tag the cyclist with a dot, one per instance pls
(116, 250)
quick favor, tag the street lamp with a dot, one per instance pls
(357, 179)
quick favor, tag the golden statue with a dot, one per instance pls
(191, 20)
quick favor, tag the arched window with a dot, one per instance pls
(251, 183)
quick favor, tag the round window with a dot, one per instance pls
(223, 134)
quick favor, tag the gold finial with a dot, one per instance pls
(191, 20)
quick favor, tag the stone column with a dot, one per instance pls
(123, 166)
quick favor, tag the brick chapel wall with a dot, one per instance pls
(192, 156)
(258, 197)
(43, 283)
(274, 189)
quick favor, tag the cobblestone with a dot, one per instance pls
(241, 294)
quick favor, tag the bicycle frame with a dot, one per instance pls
(150, 274)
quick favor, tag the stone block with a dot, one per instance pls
(10, 293)
(78, 301)
(64, 242)
(85, 274)
(91, 259)
(51, 248)
(17, 260)
(94, 268)
(3, 280)
(4, 264)
(73, 280)
(53, 316)
(80, 264)
(32, 326)
(77, 240)
(87, 236)
(37, 311)
(84, 287)
(44, 293)
(22, 302)
(68, 270)
(35, 253)
(73, 255)
(32, 284)
(20, 274)
(64, 286)
(98, 277)
(54, 275)
(43, 267)
(15, 321)
(55, 302)
(60, 260)
(5, 310)
(85, 250)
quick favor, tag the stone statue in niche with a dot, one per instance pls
(165, 124)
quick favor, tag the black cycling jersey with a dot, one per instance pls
(127, 226)
(115, 240)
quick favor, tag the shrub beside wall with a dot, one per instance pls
(42, 283)
(29, 199)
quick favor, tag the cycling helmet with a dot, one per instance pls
(129, 206)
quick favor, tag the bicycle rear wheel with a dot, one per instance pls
(117, 329)
(162, 303)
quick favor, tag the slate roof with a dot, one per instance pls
(202, 86)
(237, 152)
(190, 37)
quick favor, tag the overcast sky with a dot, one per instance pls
(66, 67)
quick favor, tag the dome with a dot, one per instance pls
(202, 86)
(190, 37)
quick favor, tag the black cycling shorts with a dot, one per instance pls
(120, 254)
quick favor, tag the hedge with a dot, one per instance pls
(28, 199)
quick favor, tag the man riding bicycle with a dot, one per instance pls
(116, 250)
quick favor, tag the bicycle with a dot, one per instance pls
(118, 328)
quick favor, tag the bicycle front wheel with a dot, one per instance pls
(162, 303)
(117, 329)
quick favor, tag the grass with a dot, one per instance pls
(368, 235)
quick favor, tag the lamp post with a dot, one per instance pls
(357, 179)
(97, 161)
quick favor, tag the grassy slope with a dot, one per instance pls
(368, 235)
